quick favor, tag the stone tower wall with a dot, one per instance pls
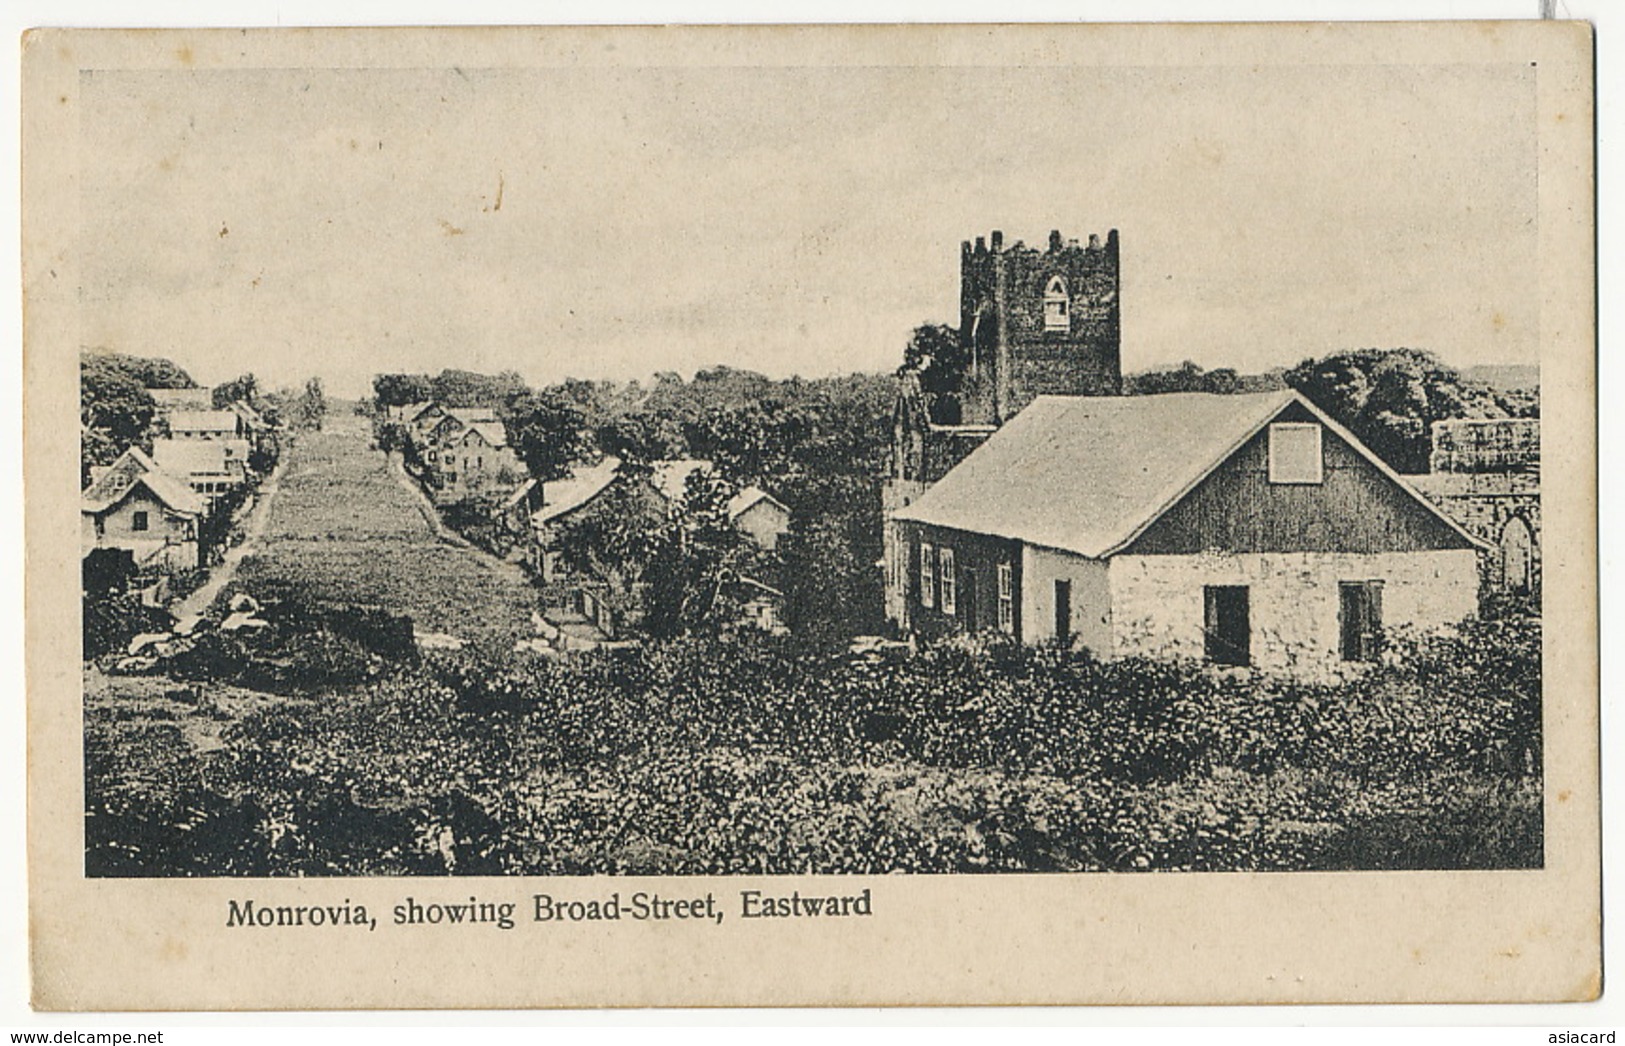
(1016, 355)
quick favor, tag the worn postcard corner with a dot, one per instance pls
(753, 516)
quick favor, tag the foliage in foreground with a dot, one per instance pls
(694, 757)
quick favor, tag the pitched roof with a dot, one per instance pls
(1088, 474)
(246, 411)
(186, 457)
(472, 415)
(492, 432)
(203, 421)
(171, 398)
(520, 493)
(134, 468)
(743, 500)
(561, 496)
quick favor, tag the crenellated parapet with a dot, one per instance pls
(1039, 321)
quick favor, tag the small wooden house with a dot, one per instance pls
(474, 458)
(213, 468)
(561, 502)
(1243, 530)
(168, 400)
(760, 516)
(207, 424)
(134, 505)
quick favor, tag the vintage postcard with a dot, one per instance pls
(811, 516)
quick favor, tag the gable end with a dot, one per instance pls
(1356, 507)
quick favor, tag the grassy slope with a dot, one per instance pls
(343, 528)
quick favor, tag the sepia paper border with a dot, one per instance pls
(1507, 936)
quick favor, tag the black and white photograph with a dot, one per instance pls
(806, 461)
(866, 470)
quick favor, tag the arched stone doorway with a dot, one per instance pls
(1517, 555)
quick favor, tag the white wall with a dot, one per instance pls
(896, 494)
(168, 543)
(764, 522)
(1091, 598)
(1157, 601)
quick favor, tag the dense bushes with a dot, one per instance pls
(697, 757)
(298, 645)
(111, 620)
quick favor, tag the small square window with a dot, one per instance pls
(138, 521)
(1295, 453)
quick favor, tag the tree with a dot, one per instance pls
(546, 432)
(466, 388)
(1520, 403)
(591, 398)
(676, 567)
(109, 401)
(154, 373)
(243, 389)
(642, 437)
(698, 557)
(390, 436)
(833, 587)
(115, 412)
(1389, 398)
(397, 390)
(309, 408)
(1190, 377)
(940, 357)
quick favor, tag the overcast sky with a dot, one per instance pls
(617, 222)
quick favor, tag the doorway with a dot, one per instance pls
(1227, 625)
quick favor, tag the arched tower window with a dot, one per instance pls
(1517, 555)
(984, 338)
(1057, 315)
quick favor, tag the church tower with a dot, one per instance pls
(1038, 322)
(1031, 323)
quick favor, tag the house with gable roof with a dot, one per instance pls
(168, 400)
(562, 501)
(475, 458)
(419, 419)
(213, 468)
(1246, 530)
(134, 505)
(206, 424)
(760, 516)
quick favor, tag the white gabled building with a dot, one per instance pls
(1244, 530)
(136, 506)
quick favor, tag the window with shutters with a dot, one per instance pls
(928, 574)
(949, 582)
(1360, 619)
(1295, 453)
(1007, 598)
